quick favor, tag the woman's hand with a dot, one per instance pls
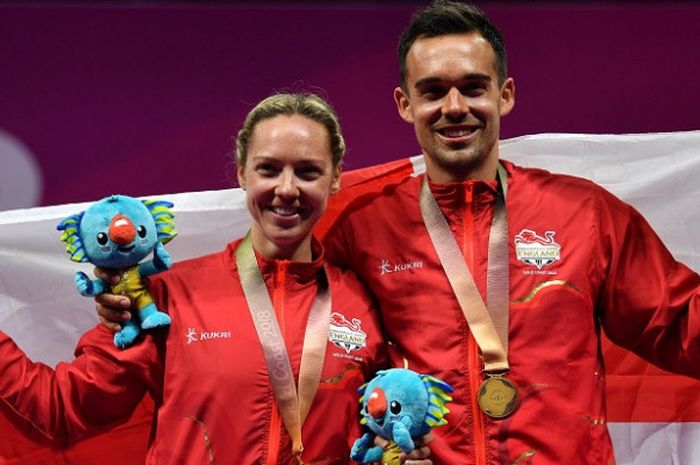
(112, 309)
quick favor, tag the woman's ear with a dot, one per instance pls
(240, 174)
(335, 184)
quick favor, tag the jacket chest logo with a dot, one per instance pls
(193, 335)
(387, 267)
(347, 335)
(539, 251)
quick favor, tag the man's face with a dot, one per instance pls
(455, 103)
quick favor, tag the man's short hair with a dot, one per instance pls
(447, 17)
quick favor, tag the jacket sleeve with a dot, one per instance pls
(335, 243)
(99, 388)
(649, 302)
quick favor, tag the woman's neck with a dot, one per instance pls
(295, 252)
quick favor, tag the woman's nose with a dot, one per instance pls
(287, 186)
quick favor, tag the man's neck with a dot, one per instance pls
(485, 171)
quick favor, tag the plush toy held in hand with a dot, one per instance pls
(399, 405)
(116, 233)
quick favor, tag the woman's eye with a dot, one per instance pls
(311, 173)
(265, 169)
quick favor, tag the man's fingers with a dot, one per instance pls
(114, 301)
(111, 277)
(115, 315)
(381, 442)
(113, 326)
(424, 440)
(419, 453)
(113, 308)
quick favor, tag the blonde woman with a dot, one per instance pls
(247, 373)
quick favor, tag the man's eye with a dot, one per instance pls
(474, 90)
(432, 92)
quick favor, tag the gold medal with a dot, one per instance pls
(498, 396)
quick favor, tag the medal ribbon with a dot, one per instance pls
(293, 408)
(489, 325)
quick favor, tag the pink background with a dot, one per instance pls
(145, 98)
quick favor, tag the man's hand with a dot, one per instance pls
(112, 309)
(418, 456)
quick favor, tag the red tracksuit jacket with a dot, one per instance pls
(206, 372)
(580, 261)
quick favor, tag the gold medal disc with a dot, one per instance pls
(498, 397)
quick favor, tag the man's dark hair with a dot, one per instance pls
(446, 17)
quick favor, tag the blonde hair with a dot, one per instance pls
(310, 105)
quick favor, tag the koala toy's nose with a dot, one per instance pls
(121, 230)
(376, 405)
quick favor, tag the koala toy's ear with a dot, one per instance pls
(71, 236)
(438, 396)
(163, 215)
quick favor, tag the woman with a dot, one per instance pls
(220, 397)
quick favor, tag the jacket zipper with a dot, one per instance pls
(473, 359)
(279, 282)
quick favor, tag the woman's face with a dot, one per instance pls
(288, 177)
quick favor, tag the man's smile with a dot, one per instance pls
(457, 133)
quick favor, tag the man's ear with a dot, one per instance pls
(507, 97)
(240, 174)
(403, 105)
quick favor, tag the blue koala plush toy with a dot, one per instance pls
(399, 405)
(116, 233)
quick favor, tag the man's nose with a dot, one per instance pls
(455, 105)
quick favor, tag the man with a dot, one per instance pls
(528, 374)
